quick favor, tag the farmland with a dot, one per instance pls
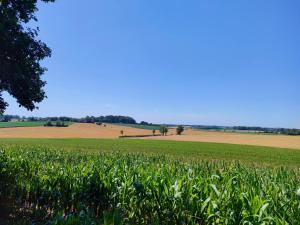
(149, 113)
(144, 181)
(76, 130)
(21, 124)
(140, 126)
(89, 181)
(283, 141)
(89, 130)
(175, 149)
(25, 124)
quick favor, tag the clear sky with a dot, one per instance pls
(193, 62)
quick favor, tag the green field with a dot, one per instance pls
(21, 124)
(146, 127)
(24, 124)
(89, 181)
(175, 149)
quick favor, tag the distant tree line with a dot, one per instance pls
(289, 131)
(56, 124)
(146, 123)
(209, 127)
(106, 119)
(266, 130)
(7, 118)
(270, 130)
(87, 119)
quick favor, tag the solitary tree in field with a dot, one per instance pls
(179, 130)
(153, 132)
(163, 130)
(20, 54)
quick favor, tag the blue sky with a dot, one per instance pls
(191, 62)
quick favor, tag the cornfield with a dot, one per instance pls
(60, 187)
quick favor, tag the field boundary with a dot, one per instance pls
(139, 136)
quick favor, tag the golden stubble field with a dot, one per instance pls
(83, 130)
(282, 141)
(76, 130)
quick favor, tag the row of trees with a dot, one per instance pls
(267, 130)
(164, 130)
(290, 131)
(56, 124)
(95, 119)
(270, 130)
(7, 118)
(87, 119)
(146, 123)
(105, 119)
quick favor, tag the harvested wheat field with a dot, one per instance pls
(282, 141)
(76, 130)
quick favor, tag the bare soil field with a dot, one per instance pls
(84, 130)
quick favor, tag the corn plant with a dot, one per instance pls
(113, 188)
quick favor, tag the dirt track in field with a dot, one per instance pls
(84, 130)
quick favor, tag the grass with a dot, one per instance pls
(25, 124)
(21, 124)
(146, 127)
(174, 149)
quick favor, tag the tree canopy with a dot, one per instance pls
(179, 130)
(21, 53)
(87, 119)
(163, 130)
